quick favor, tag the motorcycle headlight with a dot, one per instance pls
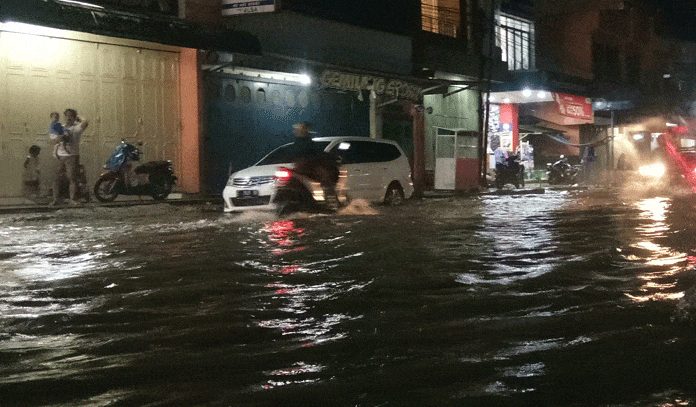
(653, 170)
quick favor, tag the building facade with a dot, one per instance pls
(133, 74)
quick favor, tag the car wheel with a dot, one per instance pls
(394, 195)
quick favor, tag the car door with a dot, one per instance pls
(389, 161)
(357, 161)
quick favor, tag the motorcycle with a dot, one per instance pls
(561, 172)
(154, 178)
(316, 186)
(510, 173)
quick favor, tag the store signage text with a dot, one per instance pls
(577, 107)
(233, 7)
(382, 86)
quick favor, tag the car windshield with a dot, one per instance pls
(286, 154)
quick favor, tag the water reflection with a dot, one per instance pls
(516, 238)
(662, 263)
(284, 234)
(495, 301)
(297, 308)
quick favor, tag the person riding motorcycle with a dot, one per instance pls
(312, 162)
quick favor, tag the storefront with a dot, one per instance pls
(541, 126)
(134, 74)
(249, 111)
(452, 133)
(126, 89)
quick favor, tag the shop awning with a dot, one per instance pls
(536, 129)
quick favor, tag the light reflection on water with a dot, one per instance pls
(497, 300)
(662, 262)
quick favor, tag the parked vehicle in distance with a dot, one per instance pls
(376, 170)
(511, 173)
(561, 172)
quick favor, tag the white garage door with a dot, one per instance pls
(125, 91)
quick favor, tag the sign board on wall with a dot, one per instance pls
(381, 86)
(577, 107)
(234, 7)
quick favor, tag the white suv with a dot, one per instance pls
(377, 170)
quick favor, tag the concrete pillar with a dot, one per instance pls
(418, 149)
(375, 117)
(191, 141)
(509, 113)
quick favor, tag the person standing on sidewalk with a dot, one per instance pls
(32, 174)
(68, 154)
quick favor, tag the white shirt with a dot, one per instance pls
(500, 155)
(72, 147)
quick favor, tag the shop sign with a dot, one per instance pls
(382, 86)
(233, 7)
(577, 107)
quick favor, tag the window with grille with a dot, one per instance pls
(440, 17)
(515, 37)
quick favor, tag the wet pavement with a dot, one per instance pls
(570, 297)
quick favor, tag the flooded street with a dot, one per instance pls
(568, 298)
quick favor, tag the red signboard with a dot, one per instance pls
(578, 107)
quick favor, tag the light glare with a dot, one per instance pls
(305, 79)
(653, 170)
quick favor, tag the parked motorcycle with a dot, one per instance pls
(511, 173)
(318, 186)
(561, 172)
(154, 178)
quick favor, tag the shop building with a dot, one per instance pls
(369, 72)
(614, 54)
(362, 87)
(190, 79)
(133, 74)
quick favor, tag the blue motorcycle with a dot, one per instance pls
(154, 178)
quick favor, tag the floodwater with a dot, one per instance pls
(567, 298)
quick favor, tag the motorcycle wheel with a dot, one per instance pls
(106, 190)
(160, 187)
(553, 179)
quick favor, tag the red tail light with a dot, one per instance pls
(282, 175)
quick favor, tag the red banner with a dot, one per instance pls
(578, 107)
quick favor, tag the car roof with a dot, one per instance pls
(331, 139)
(353, 138)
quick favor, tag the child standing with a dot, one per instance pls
(56, 132)
(31, 174)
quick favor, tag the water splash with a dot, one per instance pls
(687, 168)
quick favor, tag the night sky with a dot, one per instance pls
(679, 17)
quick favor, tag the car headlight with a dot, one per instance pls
(656, 170)
(230, 180)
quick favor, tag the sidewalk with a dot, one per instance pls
(21, 205)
